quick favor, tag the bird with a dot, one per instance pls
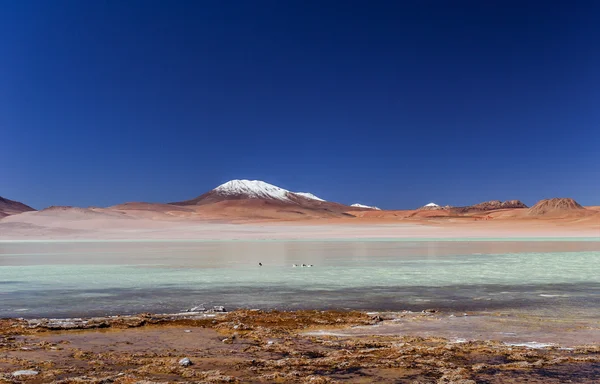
(309, 265)
(294, 265)
(303, 265)
(260, 264)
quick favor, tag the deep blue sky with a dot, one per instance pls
(393, 103)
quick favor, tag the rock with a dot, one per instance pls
(455, 376)
(201, 308)
(185, 362)
(25, 372)
(513, 204)
(480, 367)
(490, 206)
(187, 331)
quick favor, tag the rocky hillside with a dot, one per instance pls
(490, 206)
(497, 204)
(556, 205)
(11, 207)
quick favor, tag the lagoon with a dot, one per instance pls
(74, 279)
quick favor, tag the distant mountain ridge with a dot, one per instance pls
(10, 207)
(497, 204)
(491, 205)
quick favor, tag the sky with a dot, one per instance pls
(387, 103)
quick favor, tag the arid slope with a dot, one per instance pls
(11, 207)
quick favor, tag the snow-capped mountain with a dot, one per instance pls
(431, 206)
(252, 189)
(256, 190)
(260, 198)
(357, 205)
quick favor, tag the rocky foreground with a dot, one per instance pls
(251, 346)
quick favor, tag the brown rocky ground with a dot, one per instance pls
(252, 346)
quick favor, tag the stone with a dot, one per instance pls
(25, 372)
(185, 362)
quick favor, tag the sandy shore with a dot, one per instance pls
(252, 346)
(145, 230)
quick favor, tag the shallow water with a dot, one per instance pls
(550, 278)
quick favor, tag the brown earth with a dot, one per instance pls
(250, 346)
(267, 209)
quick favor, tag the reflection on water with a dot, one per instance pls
(96, 278)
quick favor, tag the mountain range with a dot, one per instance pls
(255, 199)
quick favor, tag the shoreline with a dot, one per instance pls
(253, 346)
(381, 322)
(105, 278)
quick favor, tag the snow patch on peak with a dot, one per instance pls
(256, 189)
(253, 189)
(357, 205)
(431, 205)
(308, 196)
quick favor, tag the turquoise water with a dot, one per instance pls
(98, 278)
